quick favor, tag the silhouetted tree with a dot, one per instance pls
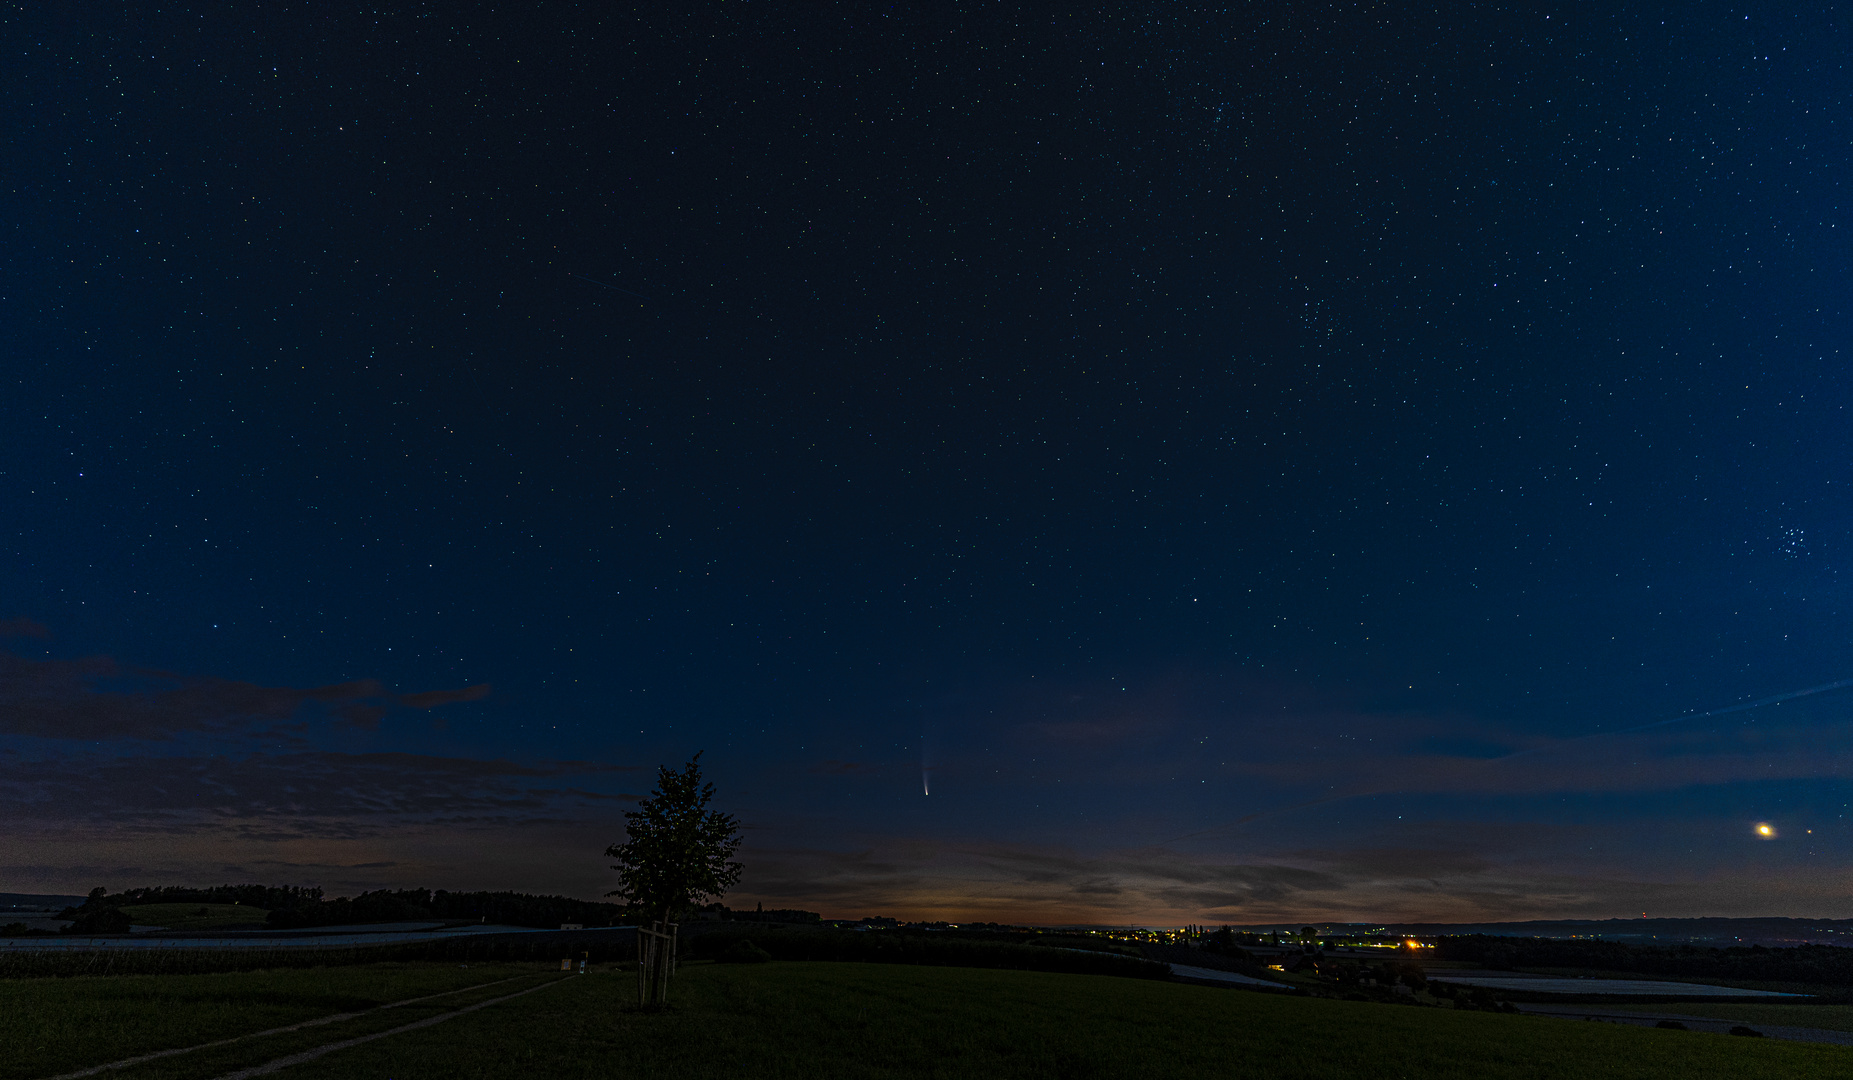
(678, 851)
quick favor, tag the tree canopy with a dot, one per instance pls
(677, 852)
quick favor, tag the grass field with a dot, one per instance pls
(827, 1020)
(196, 916)
(52, 1026)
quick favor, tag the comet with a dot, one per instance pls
(607, 285)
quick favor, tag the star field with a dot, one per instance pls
(1141, 421)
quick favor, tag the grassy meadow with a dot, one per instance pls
(822, 1019)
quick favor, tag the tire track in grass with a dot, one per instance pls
(335, 1018)
(310, 1055)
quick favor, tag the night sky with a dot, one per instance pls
(1171, 464)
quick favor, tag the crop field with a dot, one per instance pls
(812, 1019)
(196, 916)
(1834, 1017)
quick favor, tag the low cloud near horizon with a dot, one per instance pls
(120, 775)
(1200, 798)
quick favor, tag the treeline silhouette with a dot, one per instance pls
(292, 907)
(1815, 964)
(258, 896)
(101, 912)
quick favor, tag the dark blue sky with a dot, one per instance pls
(419, 425)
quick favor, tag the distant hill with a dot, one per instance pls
(54, 901)
(1774, 932)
